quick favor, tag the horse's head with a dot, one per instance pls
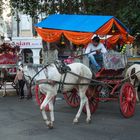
(35, 72)
(28, 73)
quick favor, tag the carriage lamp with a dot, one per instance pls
(62, 42)
(113, 31)
(113, 28)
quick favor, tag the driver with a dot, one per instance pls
(94, 50)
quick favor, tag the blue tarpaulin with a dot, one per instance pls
(78, 23)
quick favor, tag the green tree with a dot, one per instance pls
(130, 15)
(125, 10)
(1, 8)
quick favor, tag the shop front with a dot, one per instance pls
(30, 49)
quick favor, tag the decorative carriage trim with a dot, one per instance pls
(114, 60)
(46, 81)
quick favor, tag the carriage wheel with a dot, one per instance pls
(92, 95)
(127, 100)
(72, 98)
(40, 97)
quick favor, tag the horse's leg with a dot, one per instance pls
(29, 90)
(42, 108)
(4, 92)
(88, 119)
(137, 97)
(136, 84)
(83, 100)
(51, 108)
(50, 94)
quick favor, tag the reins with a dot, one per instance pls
(77, 56)
(62, 82)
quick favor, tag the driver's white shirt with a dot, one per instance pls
(91, 47)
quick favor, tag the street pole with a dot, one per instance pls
(18, 20)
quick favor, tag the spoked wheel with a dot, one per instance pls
(72, 98)
(92, 95)
(40, 97)
(127, 100)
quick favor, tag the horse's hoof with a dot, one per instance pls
(50, 126)
(88, 121)
(47, 122)
(75, 121)
(4, 95)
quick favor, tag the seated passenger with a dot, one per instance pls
(94, 51)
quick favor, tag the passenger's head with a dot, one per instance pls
(96, 41)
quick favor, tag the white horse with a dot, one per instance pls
(51, 73)
(134, 78)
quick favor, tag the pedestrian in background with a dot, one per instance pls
(19, 79)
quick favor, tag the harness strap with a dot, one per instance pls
(61, 67)
(44, 81)
(61, 84)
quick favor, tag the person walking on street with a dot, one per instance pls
(20, 80)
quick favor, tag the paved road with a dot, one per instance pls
(22, 120)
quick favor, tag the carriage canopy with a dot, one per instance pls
(79, 29)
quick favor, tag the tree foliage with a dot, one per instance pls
(1, 3)
(125, 10)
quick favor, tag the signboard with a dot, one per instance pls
(27, 42)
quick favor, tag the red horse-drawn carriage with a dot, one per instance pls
(8, 63)
(109, 83)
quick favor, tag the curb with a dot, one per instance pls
(8, 93)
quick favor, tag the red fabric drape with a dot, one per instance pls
(49, 35)
(113, 39)
(127, 38)
(78, 38)
(105, 28)
(54, 35)
(121, 29)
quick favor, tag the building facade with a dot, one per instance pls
(30, 49)
(22, 35)
(2, 30)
